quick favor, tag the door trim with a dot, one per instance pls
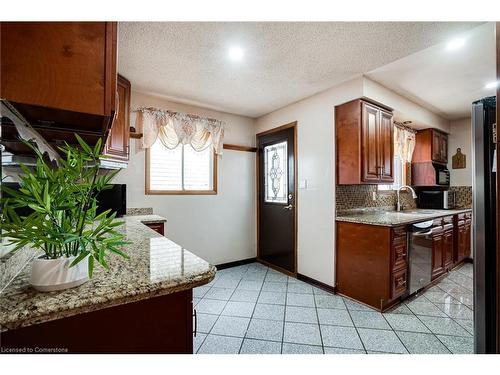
(274, 130)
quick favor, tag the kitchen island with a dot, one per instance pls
(141, 305)
(373, 252)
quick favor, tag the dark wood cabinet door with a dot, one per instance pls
(386, 147)
(437, 254)
(65, 65)
(436, 147)
(370, 141)
(464, 238)
(399, 283)
(117, 145)
(439, 147)
(448, 249)
(444, 148)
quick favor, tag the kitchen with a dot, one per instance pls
(338, 219)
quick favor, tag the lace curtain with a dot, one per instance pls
(174, 128)
(404, 142)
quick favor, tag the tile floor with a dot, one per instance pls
(254, 309)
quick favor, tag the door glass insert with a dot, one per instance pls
(276, 173)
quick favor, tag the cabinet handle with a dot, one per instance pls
(195, 322)
(400, 281)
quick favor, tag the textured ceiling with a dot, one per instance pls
(283, 63)
(443, 81)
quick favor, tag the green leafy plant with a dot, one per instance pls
(64, 221)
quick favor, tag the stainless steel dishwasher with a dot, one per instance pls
(420, 245)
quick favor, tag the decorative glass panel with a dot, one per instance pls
(276, 173)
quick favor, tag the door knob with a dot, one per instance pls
(289, 207)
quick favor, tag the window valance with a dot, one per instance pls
(174, 128)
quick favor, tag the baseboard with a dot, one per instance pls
(317, 283)
(235, 263)
(468, 260)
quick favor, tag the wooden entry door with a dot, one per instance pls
(277, 201)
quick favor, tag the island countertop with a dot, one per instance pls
(157, 266)
(393, 218)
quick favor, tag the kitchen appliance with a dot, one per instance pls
(420, 254)
(484, 225)
(114, 199)
(442, 175)
(436, 199)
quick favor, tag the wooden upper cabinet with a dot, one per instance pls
(371, 147)
(431, 146)
(117, 144)
(61, 76)
(364, 143)
(387, 147)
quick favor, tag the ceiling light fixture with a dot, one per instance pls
(455, 44)
(236, 53)
(491, 85)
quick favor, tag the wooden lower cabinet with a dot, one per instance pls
(448, 248)
(443, 239)
(462, 245)
(157, 227)
(167, 327)
(372, 263)
(437, 254)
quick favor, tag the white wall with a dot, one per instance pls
(405, 109)
(316, 150)
(219, 228)
(460, 137)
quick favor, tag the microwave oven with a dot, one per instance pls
(436, 199)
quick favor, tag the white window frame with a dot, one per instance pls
(400, 168)
(213, 172)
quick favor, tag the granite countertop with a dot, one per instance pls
(391, 218)
(157, 266)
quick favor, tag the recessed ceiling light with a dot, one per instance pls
(455, 44)
(491, 85)
(236, 53)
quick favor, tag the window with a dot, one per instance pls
(399, 175)
(181, 170)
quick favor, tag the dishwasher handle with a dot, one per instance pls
(422, 234)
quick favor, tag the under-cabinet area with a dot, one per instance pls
(384, 257)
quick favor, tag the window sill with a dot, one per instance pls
(181, 192)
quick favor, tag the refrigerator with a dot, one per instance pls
(484, 224)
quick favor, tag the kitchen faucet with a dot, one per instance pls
(399, 206)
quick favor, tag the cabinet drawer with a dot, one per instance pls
(399, 255)
(464, 216)
(447, 220)
(399, 283)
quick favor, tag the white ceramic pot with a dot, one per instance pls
(48, 275)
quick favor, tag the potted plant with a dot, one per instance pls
(64, 223)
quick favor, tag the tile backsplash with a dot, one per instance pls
(358, 196)
(463, 196)
(349, 197)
